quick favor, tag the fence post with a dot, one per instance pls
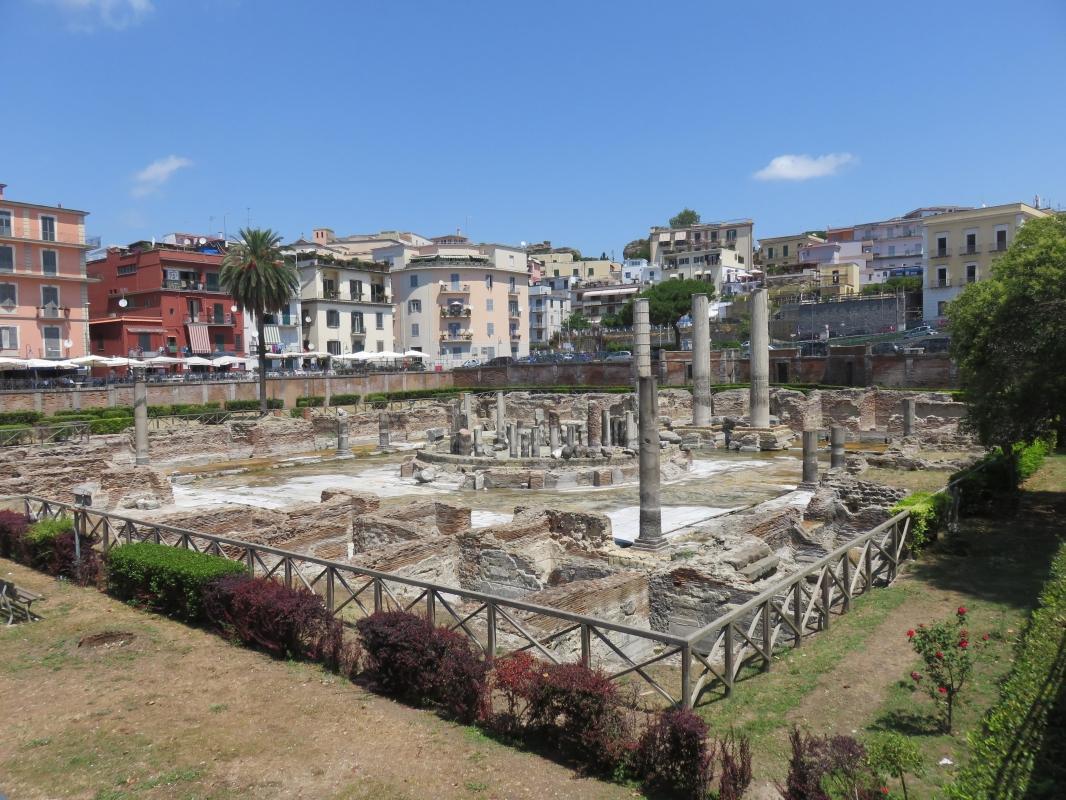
(377, 594)
(586, 645)
(431, 606)
(490, 644)
(727, 642)
(846, 569)
(766, 636)
(797, 612)
(329, 589)
(687, 700)
(250, 560)
(893, 549)
(288, 572)
(827, 588)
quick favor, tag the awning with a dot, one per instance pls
(272, 334)
(146, 330)
(199, 341)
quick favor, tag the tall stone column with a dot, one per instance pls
(632, 432)
(810, 457)
(650, 535)
(344, 447)
(837, 436)
(501, 413)
(759, 395)
(140, 416)
(908, 416)
(605, 428)
(593, 422)
(384, 434)
(512, 439)
(468, 418)
(701, 361)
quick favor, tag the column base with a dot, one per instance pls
(649, 544)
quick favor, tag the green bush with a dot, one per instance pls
(928, 515)
(1010, 755)
(313, 401)
(985, 485)
(39, 540)
(67, 419)
(110, 424)
(169, 579)
(344, 400)
(19, 417)
(253, 405)
(377, 400)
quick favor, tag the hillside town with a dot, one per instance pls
(401, 299)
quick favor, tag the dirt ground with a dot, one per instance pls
(169, 711)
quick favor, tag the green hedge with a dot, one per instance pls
(1011, 756)
(182, 409)
(985, 484)
(169, 579)
(928, 515)
(312, 401)
(19, 417)
(253, 405)
(105, 425)
(95, 413)
(344, 399)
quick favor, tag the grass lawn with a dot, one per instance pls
(854, 680)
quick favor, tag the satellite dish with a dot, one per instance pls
(202, 240)
(123, 303)
(67, 343)
(188, 242)
(523, 244)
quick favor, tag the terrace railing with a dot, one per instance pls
(45, 434)
(792, 609)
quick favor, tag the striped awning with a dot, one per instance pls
(146, 330)
(272, 334)
(199, 341)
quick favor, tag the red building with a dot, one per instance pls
(162, 298)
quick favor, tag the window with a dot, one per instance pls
(769, 252)
(49, 262)
(211, 281)
(238, 343)
(414, 329)
(218, 316)
(488, 304)
(329, 288)
(891, 249)
(491, 329)
(1001, 239)
(50, 296)
(7, 259)
(971, 273)
(511, 286)
(455, 281)
(5, 223)
(941, 277)
(488, 281)
(48, 228)
(731, 235)
(413, 281)
(333, 347)
(591, 271)
(355, 290)
(9, 297)
(941, 308)
(357, 322)
(836, 276)
(126, 269)
(971, 243)
(414, 306)
(9, 338)
(379, 321)
(333, 318)
(144, 342)
(52, 344)
(941, 245)
(784, 251)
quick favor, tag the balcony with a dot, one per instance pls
(940, 283)
(513, 291)
(210, 319)
(53, 312)
(189, 286)
(456, 336)
(455, 310)
(514, 313)
(997, 247)
(359, 332)
(454, 288)
(940, 254)
(516, 334)
(969, 250)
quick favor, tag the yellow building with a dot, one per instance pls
(778, 253)
(593, 270)
(839, 279)
(961, 247)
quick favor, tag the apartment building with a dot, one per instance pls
(684, 252)
(548, 309)
(357, 245)
(563, 264)
(43, 283)
(778, 254)
(961, 247)
(639, 270)
(459, 301)
(894, 245)
(595, 301)
(163, 297)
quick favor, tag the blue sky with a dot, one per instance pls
(581, 122)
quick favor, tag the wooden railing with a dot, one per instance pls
(798, 606)
(62, 433)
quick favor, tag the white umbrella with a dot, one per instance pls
(197, 361)
(315, 354)
(163, 360)
(348, 357)
(385, 355)
(119, 361)
(12, 363)
(88, 361)
(44, 363)
(415, 354)
(227, 361)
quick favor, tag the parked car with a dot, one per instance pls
(921, 330)
(500, 361)
(471, 362)
(620, 355)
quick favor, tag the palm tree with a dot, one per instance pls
(261, 282)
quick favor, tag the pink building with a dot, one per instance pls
(44, 306)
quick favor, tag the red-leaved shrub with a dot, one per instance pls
(673, 756)
(735, 753)
(286, 622)
(514, 677)
(459, 687)
(823, 767)
(64, 561)
(580, 710)
(12, 526)
(402, 654)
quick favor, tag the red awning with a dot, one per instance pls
(199, 341)
(146, 330)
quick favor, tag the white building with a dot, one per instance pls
(548, 309)
(640, 270)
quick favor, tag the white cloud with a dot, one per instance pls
(802, 168)
(156, 174)
(88, 15)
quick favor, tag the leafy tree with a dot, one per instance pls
(684, 218)
(900, 283)
(577, 322)
(668, 302)
(895, 755)
(260, 282)
(1009, 340)
(638, 248)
